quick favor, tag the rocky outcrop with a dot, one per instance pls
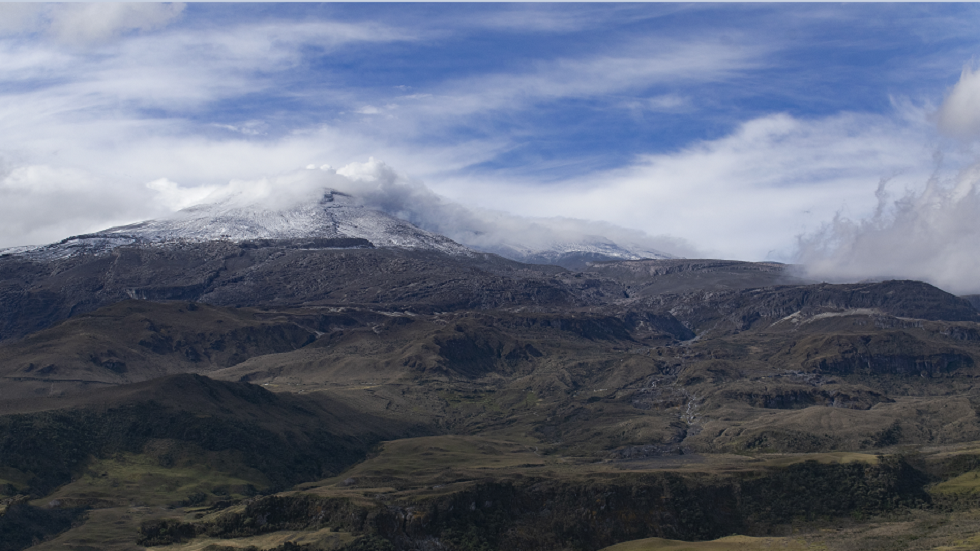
(786, 397)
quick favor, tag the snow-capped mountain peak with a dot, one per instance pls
(335, 215)
(367, 201)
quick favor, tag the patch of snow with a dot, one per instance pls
(797, 317)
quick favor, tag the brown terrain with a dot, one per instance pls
(295, 395)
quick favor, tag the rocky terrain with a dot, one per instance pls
(327, 391)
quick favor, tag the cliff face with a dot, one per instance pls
(550, 514)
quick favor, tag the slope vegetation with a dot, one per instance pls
(272, 392)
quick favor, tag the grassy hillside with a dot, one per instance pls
(134, 341)
(414, 406)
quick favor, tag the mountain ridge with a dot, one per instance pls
(207, 364)
(334, 215)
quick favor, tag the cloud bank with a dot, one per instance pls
(381, 187)
(930, 234)
(744, 195)
(42, 204)
(376, 185)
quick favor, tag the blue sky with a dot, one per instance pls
(754, 131)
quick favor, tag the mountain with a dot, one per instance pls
(134, 341)
(239, 252)
(335, 216)
(330, 376)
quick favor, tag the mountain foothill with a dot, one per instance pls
(332, 377)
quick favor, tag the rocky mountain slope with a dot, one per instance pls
(245, 382)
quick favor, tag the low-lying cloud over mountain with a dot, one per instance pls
(375, 185)
(930, 233)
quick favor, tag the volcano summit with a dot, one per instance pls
(224, 373)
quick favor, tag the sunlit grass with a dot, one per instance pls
(826, 458)
(730, 543)
(325, 539)
(129, 479)
(966, 483)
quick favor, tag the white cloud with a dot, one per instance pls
(931, 235)
(667, 103)
(175, 70)
(19, 17)
(85, 109)
(85, 23)
(559, 18)
(531, 17)
(959, 115)
(42, 204)
(75, 120)
(636, 67)
(173, 196)
(664, 103)
(930, 230)
(746, 195)
(76, 110)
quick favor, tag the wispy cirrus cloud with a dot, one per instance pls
(85, 23)
(647, 64)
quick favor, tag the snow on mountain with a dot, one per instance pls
(373, 202)
(592, 248)
(335, 215)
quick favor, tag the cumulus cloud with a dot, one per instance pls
(931, 235)
(959, 115)
(929, 231)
